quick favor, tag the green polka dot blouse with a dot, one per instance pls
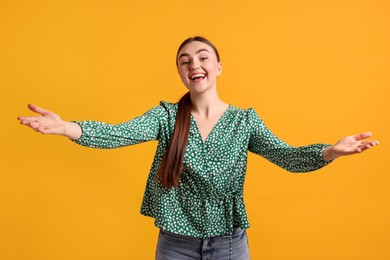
(209, 199)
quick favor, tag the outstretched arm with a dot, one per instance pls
(302, 158)
(50, 123)
(349, 145)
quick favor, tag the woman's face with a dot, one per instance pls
(198, 67)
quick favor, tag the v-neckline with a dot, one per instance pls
(213, 128)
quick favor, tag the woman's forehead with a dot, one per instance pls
(195, 47)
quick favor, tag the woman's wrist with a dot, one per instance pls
(329, 154)
(72, 130)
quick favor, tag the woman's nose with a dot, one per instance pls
(195, 66)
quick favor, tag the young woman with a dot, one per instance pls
(195, 185)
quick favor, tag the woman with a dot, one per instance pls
(195, 185)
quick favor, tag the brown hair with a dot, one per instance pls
(196, 39)
(171, 167)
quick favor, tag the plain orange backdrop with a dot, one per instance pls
(315, 71)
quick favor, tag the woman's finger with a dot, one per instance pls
(28, 118)
(363, 135)
(33, 125)
(38, 110)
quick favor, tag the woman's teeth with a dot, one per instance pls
(198, 76)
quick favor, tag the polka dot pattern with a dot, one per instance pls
(209, 200)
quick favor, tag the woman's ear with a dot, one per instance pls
(219, 68)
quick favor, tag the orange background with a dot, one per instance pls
(315, 71)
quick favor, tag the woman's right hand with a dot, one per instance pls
(50, 123)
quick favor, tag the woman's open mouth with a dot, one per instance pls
(197, 76)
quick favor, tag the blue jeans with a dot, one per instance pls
(171, 246)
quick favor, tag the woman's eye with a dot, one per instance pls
(184, 62)
(203, 58)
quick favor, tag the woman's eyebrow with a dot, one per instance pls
(200, 50)
(187, 55)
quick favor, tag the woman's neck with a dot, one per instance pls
(207, 104)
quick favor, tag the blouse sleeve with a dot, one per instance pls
(140, 129)
(292, 158)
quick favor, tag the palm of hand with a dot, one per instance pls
(47, 123)
(353, 144)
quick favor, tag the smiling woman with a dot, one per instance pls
(195, 186)
(199, 65)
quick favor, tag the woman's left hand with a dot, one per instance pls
(349, 145)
